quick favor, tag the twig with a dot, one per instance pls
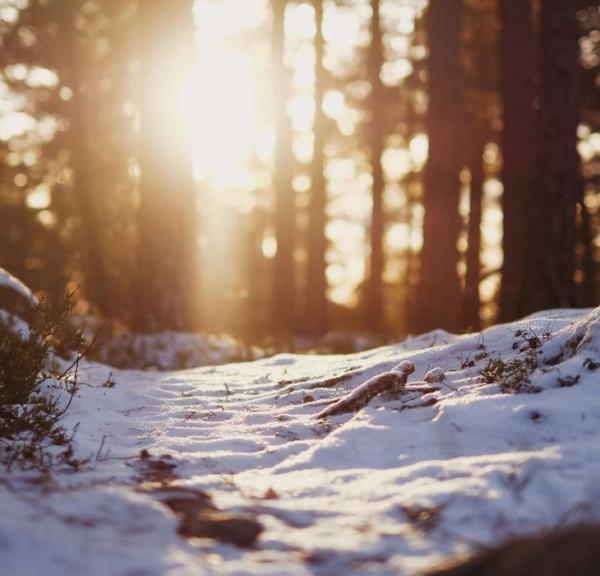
(333, 381)
(99, 453)
(393, 381)
(80, 355)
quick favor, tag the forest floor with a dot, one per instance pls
(499, 436)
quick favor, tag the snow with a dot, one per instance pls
(446, 465)
(168, 350)
(7, 280)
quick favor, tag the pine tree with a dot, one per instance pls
(96, 280)
(516, 51)
(167, 251)
(376, 136)
(83, 164)
(317, 320)
(551, 222)
(284, 283)
(438, 297)
(472, 301)
(479, 48)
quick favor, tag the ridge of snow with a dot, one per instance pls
(9, 281)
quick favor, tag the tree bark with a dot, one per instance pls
(551, 216)
(317, 320)
(374, 292)
(285, 211)
(517, 92)
(588, 265)
(96, 282)
(472, 301)
(439, 295)
(167, 252)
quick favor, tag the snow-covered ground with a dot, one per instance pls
(394, 488)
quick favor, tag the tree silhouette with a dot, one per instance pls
(316, 289)
(376, 138)
(166, 253)
(516, 57)
(284, 284)
(551, 223)
(438, 297)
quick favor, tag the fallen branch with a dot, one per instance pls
(393, 381)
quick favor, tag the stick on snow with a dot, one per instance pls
(393, 381)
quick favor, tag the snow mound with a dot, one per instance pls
(7, 280)
(494, 435)
(16, 300)
(173, 351)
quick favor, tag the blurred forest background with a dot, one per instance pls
(290, 167)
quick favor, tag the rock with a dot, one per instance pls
(187, 502)
(235, 529)
(270, 494)
(155, 469)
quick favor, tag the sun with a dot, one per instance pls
(231, 94)
(227, 94)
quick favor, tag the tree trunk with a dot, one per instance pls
(167, 252)
(96, 282)
(551, 234)
(472, 301)
(588, 266)
(439, 294)
(317, 321)
(285, 210)
(517, 91)
(374, 292)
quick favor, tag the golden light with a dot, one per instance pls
(225, 111)
(233, 132)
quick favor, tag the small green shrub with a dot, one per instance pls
(22, 361)
(512, 376)
(31, 386)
